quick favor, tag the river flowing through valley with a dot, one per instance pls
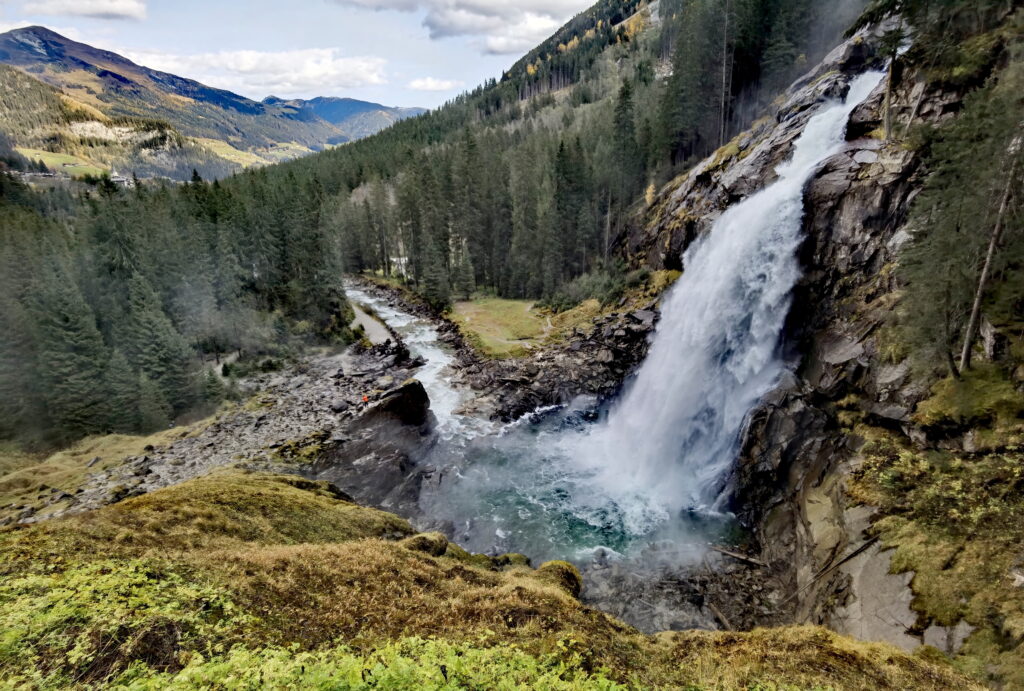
(643, 480)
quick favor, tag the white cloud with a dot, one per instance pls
(102, 9)
(502, 26)
(434, 84)
(256, 74)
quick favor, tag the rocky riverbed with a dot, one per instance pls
(358, 413)
(593, 361)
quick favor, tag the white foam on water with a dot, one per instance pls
(673, 436)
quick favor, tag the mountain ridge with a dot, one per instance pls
(265, 131)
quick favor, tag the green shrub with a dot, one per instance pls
(604, 286)
(91, 621)
(413, 664)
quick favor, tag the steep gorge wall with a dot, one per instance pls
(788, 486)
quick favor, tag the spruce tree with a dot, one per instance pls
(436, 285)
(22, 412)
(123, 387)
(214, 390)
(627, 162)
(71, 357)
(154, 347)
(154, 410)
(465, 276)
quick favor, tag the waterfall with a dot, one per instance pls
(557, 487)
(670, 440)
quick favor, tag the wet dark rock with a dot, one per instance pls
(407, 403)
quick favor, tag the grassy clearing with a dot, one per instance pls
(13, 457)
(75, 166)
(284, 151)
(956, 519)
(230, 153)
(499, 327)
(31, 480)
(513, 328)
(245, 580)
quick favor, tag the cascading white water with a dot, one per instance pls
(561, 487)
(671, 438)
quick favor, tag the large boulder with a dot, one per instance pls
(407, 404)
(374, 455)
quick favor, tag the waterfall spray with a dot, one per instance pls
(673, 436)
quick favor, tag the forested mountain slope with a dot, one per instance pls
(523, 184)
(232, 130)
(509, 194)
(117, 305)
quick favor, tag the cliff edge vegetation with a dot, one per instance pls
(246, 580)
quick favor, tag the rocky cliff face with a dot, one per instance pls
(788, 485)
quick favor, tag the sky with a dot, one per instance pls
(395, 52)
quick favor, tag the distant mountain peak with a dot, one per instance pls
(232, 129)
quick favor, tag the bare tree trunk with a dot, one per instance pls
(887, 118)
(986, 268)
(722, 116)
(915, 111)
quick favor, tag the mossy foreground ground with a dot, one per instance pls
(955, 518)
(242, 580)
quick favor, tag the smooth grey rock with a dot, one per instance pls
(948, 639)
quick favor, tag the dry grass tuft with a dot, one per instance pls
(239, 569)
(27, 480)
(806, 657)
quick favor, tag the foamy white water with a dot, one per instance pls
(671, 439)
(421, 337)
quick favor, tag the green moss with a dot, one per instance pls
(984, 397)
(726, 153)
(90, 621)
(301, 451)
(956, 521)
(412, 664)
(892, 345)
